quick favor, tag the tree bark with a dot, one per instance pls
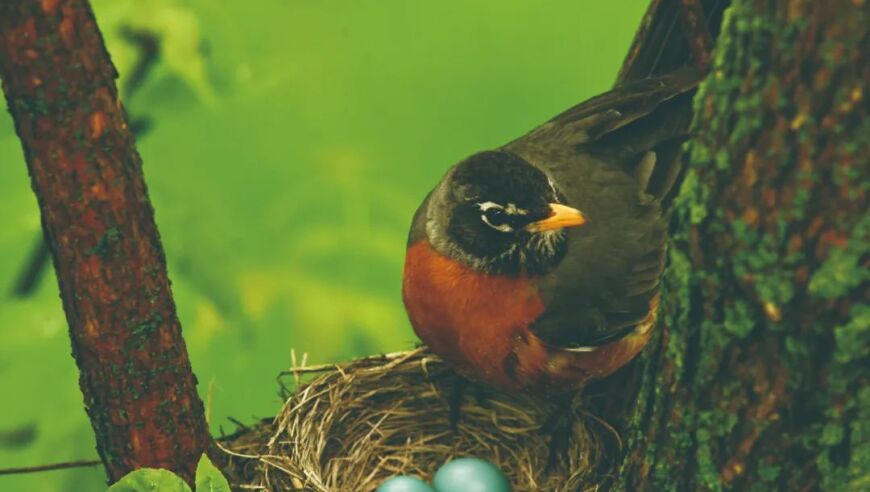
(758, 376)
(139, 390)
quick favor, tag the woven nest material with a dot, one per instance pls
(357, 424)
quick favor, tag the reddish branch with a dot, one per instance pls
(139, 390)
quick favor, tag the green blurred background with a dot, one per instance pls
(290, 143)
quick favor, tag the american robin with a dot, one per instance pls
(536, 266)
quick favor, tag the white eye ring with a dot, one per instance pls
(502, 227)
(490, 205)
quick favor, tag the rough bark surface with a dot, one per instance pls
(139, 390)
(758, 379)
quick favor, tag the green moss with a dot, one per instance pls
(104, 245)
(761, 257)
(842, 271)
(843, 443)
(722, 159)
(153, 295)
(801, 200)
(832, 434)
(859, 466)
(145, 327)
(853, 338)
(769, 473)
(775, 287)
(796, 347)
(739, 319)
(692, 200)
(708, 472)
(718, 422)
(677, 289)
(711, 340)
(35, 106)
(720, 312)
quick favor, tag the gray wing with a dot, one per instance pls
(615, 158)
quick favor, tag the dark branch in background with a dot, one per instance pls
(148, 46)
(135, 375)
(32, 272)
(148, 49)
(50, 467)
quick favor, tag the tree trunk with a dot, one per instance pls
(758, 378)
(138, 387)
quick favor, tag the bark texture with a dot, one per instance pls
(758, 379)
(139, 390)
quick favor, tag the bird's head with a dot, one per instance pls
(499, 214)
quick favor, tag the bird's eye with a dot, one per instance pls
(495, 216)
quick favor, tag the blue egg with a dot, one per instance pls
(404, 484)
(470, 475)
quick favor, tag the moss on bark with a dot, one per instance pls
(758, 378)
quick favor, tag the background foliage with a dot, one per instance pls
(291, 142)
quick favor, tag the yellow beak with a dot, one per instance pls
(560, 217)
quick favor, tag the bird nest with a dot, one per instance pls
(351, 426)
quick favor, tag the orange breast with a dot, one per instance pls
(480, 324)
(477, 322)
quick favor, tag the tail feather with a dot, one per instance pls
(674, 34)
(662, 44)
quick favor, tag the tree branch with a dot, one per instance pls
(139, 390)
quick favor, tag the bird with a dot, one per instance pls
(536, 266)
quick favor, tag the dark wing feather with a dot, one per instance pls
(614, 157)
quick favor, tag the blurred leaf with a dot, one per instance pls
(18, 437)
(209, 478)
(176, 26)
(150, 480)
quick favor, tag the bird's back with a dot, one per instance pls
(616, 158)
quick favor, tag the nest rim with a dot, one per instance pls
(353, 425)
